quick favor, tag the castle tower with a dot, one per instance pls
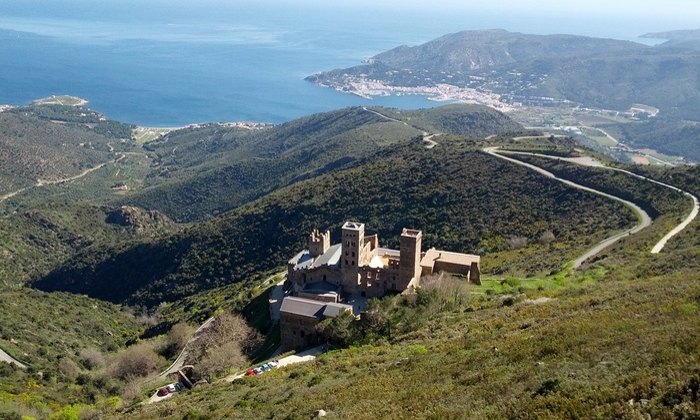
(409, 265)
(319, 242)
(353, 240)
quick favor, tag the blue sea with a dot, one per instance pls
(169, 63)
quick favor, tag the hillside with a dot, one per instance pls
(46, 143)
(199, 172)
(615, 347)
(473, 207)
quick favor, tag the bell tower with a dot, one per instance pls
(409, 265)
(353, 240)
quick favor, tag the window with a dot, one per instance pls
(353, 253)
(353, 263)
(346, 262)
(301, 334)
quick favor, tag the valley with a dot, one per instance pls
(213, 211)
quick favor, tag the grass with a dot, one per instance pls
(606, 338)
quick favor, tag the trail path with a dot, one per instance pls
(42, 183)
(427, 137)
(644, 219)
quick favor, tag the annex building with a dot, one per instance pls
(323, 276)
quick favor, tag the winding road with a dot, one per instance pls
(588, 161)
(643, 218)
(427, 137)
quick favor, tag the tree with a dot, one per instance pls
(92, 359)
(225, 344)
(340, 331)
(68, 368)
(135, 361)
(177, 338)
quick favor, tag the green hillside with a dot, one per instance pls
(199, 172)
(619, 347)
(35, 144)
(462, 199)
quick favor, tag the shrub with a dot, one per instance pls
(136, 361)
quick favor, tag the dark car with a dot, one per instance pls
(163, 391)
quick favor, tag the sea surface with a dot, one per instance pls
(168, 63)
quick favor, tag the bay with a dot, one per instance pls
(163, 64)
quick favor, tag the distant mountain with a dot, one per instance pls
(524, 68)
(689, 39)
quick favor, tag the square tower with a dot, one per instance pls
(352, 242)
(409, 265)
(319, 242)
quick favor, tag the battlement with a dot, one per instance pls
(319, 242)
(413, 233)
(354, 226)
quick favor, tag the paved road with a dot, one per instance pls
(644, 219)
(4, 357)
(588, 161)
(302, 357)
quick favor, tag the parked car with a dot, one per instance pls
(179, 386)
(258, 370)
(250, 372)
(274, 363)
(171, 388)
(265, 367)
(163, 391)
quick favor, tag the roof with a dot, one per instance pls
(312, 308)
(321, 287)
(302, 260)
(353, 225)
(301, 306)
(330, 257)
(382, 252)
(434, 255)
(334, 309)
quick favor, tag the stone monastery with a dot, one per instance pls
(324, 275)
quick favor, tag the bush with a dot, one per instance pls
(136, 361)
(177, 338)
